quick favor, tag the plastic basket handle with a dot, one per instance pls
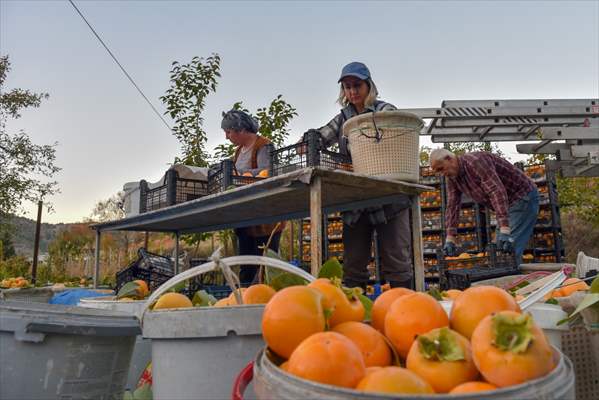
(242, 381)
(229, 261)
(543, 286)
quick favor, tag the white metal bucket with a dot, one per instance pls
(270, 382)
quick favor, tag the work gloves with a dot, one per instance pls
(450, 248)
(505, 241)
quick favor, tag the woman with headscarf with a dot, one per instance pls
(358, 95)
(251, 155)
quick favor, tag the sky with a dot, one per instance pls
(419, 53)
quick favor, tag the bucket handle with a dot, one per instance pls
(378, 136)
(227, 262)
(543, 286)
(242, 381)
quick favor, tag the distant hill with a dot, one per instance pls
(24, 235)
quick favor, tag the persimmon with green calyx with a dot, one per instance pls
(508, 348)
(339, 307)
(443, 358)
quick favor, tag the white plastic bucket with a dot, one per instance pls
(385, 144)
(197, 352)
(142, 353)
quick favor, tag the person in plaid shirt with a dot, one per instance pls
(358, 95)
(494, 182)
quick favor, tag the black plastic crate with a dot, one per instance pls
(152, 268)
(173, 191)
(462, 278)
(152, 276)
(307, 153)
(224, 176)
(459, 273)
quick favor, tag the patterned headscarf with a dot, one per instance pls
(238, 121)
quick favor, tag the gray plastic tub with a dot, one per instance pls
(142, 353)
(35, 295)
(270, 382)
(197, 352)
(59, 352)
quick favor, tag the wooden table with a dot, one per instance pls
(313, 192)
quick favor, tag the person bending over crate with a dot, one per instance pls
(251, 155)
(358, 95)
(496, 183)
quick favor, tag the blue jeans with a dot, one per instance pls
(523, 217)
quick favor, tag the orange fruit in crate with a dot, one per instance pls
(570, 286)
(475, 303)
(464, 255)
(247, 173)
(394, 380)
(329, 358)
(412, 315)
(143, 287)
(472, 387)
(443, 358)
(172, 300)
(291, 315)
(381, 306)
(342, 309)
(371, 342)
(509, 348)
(258, 294)
(263, 174)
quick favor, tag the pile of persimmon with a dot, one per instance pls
(411, 346)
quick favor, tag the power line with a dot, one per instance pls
(120, 66)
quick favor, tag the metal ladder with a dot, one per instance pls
(568, 128)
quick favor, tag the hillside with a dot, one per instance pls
(24, 235)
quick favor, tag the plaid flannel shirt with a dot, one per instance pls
(489, 180)
(332, 133)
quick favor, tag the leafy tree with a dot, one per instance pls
(109, 209)
(24, 165)
(467, 147)
(185, 101)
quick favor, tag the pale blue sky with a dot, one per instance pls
(419, 53)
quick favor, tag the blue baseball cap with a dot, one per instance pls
(357, 69)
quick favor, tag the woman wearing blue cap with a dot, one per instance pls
(358, 95)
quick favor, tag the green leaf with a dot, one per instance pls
(201, 298)
(127, 395)
(367, 303)
(129, 289)
(332, 268)
(286, 279)
(178, 287)
(589, 300)
(144, 392)
(552, 301)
